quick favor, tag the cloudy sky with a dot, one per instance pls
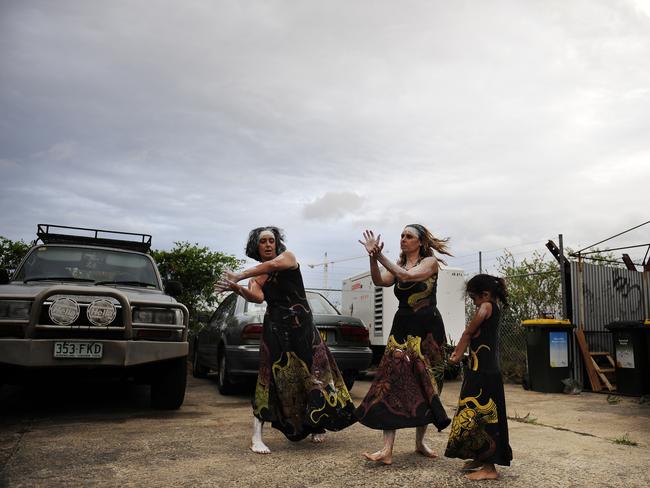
(499, 124)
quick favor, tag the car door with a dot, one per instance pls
(210, 337)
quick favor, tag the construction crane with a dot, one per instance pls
(326, 264)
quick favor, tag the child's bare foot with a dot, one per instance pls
(380, 456)
(486, 473)
(318, 438)
(259, 447)
(471, 465)
(425, 450)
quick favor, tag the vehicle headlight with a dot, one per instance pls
(15, 309)
(163, 316)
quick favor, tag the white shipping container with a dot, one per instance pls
(376, 305)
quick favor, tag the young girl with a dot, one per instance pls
(479, 431)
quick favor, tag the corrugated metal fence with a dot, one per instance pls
(604, 294)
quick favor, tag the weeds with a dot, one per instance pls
(613, 399)
(526, 419)
(624, 440)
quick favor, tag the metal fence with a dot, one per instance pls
(601, 295)
(512, 347)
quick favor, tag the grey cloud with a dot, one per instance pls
(333, 205)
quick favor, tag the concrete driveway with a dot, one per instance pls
(106, 435)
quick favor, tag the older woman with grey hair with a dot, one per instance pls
(299, 388)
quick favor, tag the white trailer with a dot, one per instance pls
(376, 305)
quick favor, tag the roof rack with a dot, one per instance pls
(45, 234)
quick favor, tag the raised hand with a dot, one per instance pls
(227, 282)
(225, 285)
(372, 244)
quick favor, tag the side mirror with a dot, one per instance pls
(173, 288)
(4, 277)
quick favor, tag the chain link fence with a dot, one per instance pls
(512, 348)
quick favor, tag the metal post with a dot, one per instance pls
(480, 262)
(581, 293)
(565, 311)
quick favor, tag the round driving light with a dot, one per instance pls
(64, 311)
(101, 312)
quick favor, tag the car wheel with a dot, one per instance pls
(198, 370)
(168, 384)
(224, 382)
(349, 376)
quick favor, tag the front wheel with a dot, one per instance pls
(168, 384)
(224, 382)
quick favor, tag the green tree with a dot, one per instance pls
(534, 285)
(11, 253)
(197, 268)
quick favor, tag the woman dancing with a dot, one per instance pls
(404, 392)
(299, 389)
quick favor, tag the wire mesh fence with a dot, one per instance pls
(512, 348)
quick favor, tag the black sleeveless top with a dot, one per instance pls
(284, 293)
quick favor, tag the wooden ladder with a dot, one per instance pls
(602, 371)
(595, 372)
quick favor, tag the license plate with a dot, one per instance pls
(323, 335)
(92, 350)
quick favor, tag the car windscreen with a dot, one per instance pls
(86, 264)
(317, 303)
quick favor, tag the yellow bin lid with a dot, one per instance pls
(546, 322)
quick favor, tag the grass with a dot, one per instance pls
(624, 440)
(613, 399)
(526, 419)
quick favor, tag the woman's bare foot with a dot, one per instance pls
(259, 447)
(487, 472)
(471, 465)
(318, 438)
(425, 450)
(383, 456)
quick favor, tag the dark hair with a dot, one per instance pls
(485, 282)
(252, 246)
(428, 244)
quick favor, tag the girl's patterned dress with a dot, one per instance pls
(299, 387)
(480, 427)
(404, 392)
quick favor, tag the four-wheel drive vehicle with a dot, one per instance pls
(230, 341)
(94, 303)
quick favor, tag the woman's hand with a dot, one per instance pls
(372, 244)
(226, 285)
(455, 357)
(232, 276)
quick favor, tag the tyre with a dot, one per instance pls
(349, 376)
(168, 384)
(198, 370)
(224, 381)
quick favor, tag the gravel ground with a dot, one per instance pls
(106, 435)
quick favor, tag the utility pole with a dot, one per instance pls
(480, 262)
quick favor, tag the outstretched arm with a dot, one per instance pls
(286, 260)
(425, 269)
(483, 313)
(374, 246)
(252, 293)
